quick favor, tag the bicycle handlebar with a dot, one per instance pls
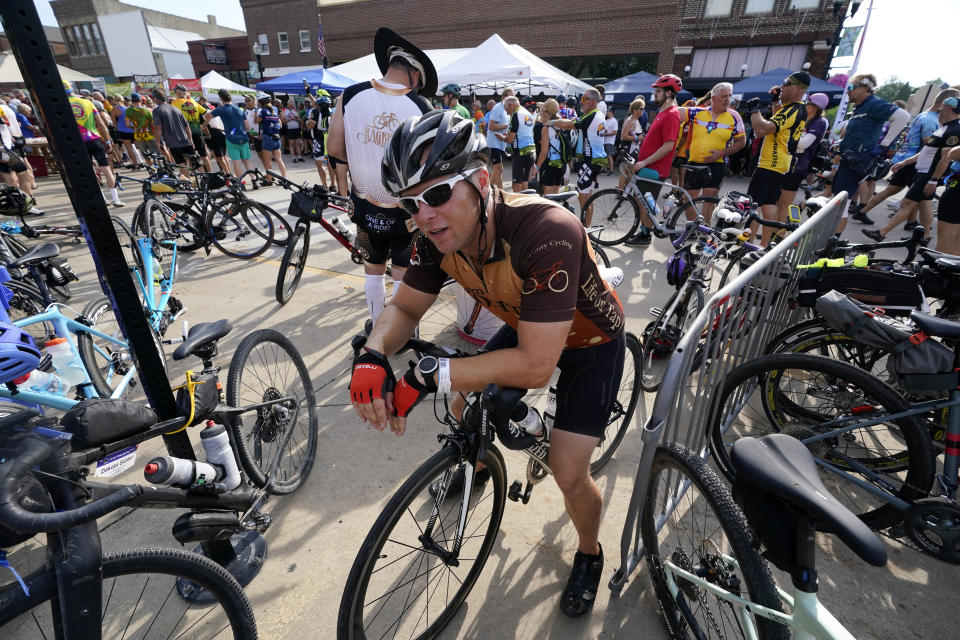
(839, 248)
(21, 520)
(316, 191)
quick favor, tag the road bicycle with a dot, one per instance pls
(307, 204)
(702, 549)
(156, 592)
(423, 555)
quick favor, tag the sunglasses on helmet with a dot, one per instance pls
(437, 195)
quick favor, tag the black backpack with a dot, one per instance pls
(565, 145)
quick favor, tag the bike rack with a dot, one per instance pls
(733, 327)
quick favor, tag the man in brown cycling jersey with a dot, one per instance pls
(527, 261)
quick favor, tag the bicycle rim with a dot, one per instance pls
(662, 336)
(624, 405)
(26, 302)
(261, 218)
(691, 522)
(292, 264)
(457, 321)
(266, 367)
(615, 212)
(399, 587)
(232, 234)
(146, 595)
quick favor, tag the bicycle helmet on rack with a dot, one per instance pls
(669, 81)
(19, 354)
(679, 266)
(14, 202)
(454, 148)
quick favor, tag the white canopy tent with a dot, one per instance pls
(495, 64)
(365, 68)
(10, 72)
(213, 82)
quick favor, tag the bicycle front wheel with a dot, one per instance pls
(292, 264)
(282, 435)
(233, 233)
(621, 413)
(662, 336)
(690, 522)
(457, 321)
(151, 593)
(28, 301)
(616, 213)
(829, 406)
(689, 210)
(260, 216)
(409, 579)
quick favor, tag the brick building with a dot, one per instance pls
(286, 34)
(230, 57)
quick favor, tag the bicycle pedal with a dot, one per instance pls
(514, 492)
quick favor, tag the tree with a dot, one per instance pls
(894, 89)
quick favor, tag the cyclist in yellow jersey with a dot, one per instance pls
(193, 113)
(780, 134)
(715, 132)
(95, 136)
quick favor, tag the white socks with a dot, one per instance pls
(374, 287)
(114, 196)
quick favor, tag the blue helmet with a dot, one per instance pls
(19, 354)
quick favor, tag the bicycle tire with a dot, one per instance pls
(157, 223)
(448, 321)
(27, 301)
(232, 233)
(134, 581)
(701, 526)
(600, 253)
(619, 216)
(695, 204)
(661, 336)
(106, 363)
(292, 264)
(267, 366)
(406, 548)
(732, 263)
(624, 404)
(898, 451)
(281, 228)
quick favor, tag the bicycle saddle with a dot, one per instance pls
(38, 253)
(563, 196)
(783, 466)
(934, 326)
(202, 336)
(948, 264)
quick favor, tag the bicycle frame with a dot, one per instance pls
(154, 305)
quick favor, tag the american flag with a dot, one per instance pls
(321, 47)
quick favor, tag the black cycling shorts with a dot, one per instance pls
(792, 181)
(587, 173)
(10, 162)
(904, 177)
(588, 383)
(521, 167)
(293, 134)
(949, 209)
(705, 180)
(125, 135)
(318, 149)
(97, 151)
(496, 156)
(199, 144)
(218, 142)
(551, 176)
(765, 186)
(915, 192)
(375, 248)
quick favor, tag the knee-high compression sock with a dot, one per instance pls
(376, 294)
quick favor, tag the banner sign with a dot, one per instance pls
(215, 53)
(192, 84)
(145, 82)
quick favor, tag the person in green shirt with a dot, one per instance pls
(140, 119)
(451, 99)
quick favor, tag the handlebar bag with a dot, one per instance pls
(308, 207)
(97, 421)
(897, 293)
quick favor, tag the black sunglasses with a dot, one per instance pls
(435, 196)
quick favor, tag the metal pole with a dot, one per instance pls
(42, 77)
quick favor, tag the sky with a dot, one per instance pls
(910, 39)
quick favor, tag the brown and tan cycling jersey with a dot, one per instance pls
(542, 269)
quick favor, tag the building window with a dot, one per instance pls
(264, 44)
(304, 40)
(78, 38)
(97, 40)
(717, 8)
(593, 69)
(729, 62)
(283, 45)
(758, 6)
(804, 4)
(71, 45)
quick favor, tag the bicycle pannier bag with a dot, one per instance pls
(911, 352)
(198, 397)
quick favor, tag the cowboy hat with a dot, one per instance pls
(388, 45)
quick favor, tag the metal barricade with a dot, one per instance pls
(733, 327)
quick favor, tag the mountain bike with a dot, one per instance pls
(424, 553)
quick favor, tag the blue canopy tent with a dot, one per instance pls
(759, 86)
(623, 90)
(292, 83)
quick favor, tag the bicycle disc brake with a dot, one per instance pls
(933, 524)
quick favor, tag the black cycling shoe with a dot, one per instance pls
(910, 226)
(455, 488)
(862, 218)
(873, 234)
(581, 591)
(641, 239)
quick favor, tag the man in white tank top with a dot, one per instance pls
(360, 130)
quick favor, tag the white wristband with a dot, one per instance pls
(443, 378)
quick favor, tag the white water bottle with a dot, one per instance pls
(652, 203)
(177, 472)
(342, 228)
(527, 419)
(43, 382)
(65, 361)
(670, 203)
(216, 447)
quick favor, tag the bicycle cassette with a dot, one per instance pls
(933, 524)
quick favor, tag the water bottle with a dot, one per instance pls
(216, 446)
(11, 226)
(652, 203)
(551, 411)
(527, 419)
(670, 203)
(342, 228)
(65, 361)
(178, 472)
(43, 382)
